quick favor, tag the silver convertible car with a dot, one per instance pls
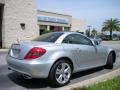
(57, 55)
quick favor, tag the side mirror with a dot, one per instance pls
(96, 42)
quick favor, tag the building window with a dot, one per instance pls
(66, 28)
(55, 28)
(22, 26)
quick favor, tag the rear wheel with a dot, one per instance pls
(60, 73)
(110, 61)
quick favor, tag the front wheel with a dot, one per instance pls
(60, 73)
(110, 61)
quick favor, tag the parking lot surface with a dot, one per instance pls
(12, 81)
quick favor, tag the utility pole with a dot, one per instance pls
(89, 31)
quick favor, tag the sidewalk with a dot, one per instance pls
(4, 50)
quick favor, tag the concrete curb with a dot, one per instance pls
(92, 81)
(3, 50)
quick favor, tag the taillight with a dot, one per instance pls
(34, 53)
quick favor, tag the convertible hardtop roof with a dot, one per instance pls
(65, 32)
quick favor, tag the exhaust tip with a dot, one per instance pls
(9, 68)
(26, 76)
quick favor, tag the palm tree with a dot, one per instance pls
(111, 25)
(94, 32)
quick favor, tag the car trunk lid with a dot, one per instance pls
(19, 51)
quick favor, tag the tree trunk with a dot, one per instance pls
(111, 34)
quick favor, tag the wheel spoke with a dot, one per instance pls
(67, 70)
(58, 71)
(65, 77)
(63, 66)
(60, 78)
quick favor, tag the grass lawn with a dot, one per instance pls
(113, 84)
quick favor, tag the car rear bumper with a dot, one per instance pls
(33, 69)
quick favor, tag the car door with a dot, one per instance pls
(84, 51)
(101, 54)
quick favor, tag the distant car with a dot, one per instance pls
(57, 55)
(105, 37)
(115, 37)
(97, 39)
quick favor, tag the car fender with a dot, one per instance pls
(63, 54)
(110, 50)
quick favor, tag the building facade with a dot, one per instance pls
(78, 25)
(18, 21)
(21, 21)
(51, 21)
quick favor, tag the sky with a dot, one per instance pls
(94, 12)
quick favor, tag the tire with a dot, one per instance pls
(60, 73)
(110, 61)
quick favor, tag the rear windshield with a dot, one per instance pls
(49, 37)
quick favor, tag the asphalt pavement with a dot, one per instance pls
(12, 81)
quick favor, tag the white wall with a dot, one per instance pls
(78, 25)
(16, 12)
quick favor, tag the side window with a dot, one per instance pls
(77, 39)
